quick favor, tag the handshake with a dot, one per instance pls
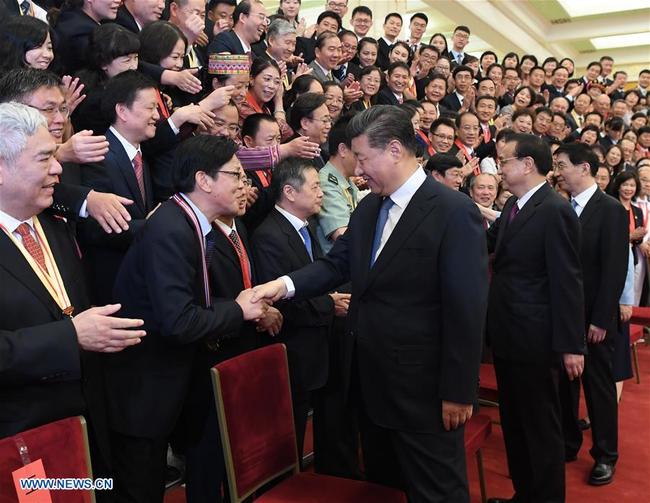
(256, 304)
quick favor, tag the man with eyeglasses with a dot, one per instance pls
(511, 81)
(442, 135)
(417, 27)
(250, 24)
(41, 90)
(361, 21)
(535, 324)
(310, 117)
(348, 52)
(165, 277)
(338, 6)
(459, 41)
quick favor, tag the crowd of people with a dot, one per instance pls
(167, 166)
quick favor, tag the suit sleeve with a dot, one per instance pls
(561, 247)
(170, 266)
(39, 353)
(271, 262)
(68, 200)
(464, 281)
(614, 249)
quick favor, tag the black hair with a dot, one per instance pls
(330, 14)
(446, 49)
(419, 15)
(324, 37)
(251, 124)
(442, 121)
(157, 41)
(440, 163)
(397, 64)
(338, 134)
(18, 35)
(620, 179)
(19, 83)
(200, 153)
(462, 28)
(461, 68)
(261, 64)
(304, 107)
(123, 89)
(300, 86)
(529, 145)
(579, 153)
(393, 14)
(512, 55)
(361, 9)
(111, 41)
(383, 124)
(289, 171)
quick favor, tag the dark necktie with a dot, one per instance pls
(31, 245)
(243, 258)
(304, 232)
(574, 205)
(513, 212)
(138, 169)
(25, 7)
(386, 205)
(209, 246)
(339, 72)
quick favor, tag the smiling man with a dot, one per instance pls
(410, 363)
(250, 24)
(396, 81)
(328, 56)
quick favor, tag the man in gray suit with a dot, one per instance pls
(328, 56)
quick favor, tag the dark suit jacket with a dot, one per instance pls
(536, 302)
(126, 19)
(226, 41)
(386, 97)
(416, 317)
(451, 102)
(161, 281)
(382, 54)
(73, 30)
(103, 253)
(603, 253)
(306, 47)
(40, 360)
(9, 8)
(279, 250)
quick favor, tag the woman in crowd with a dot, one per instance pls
(399, 52)
(614, 160)
(522, 121)
(528, 62)
(569, 65)
(25, 41)
(302, 84)
(367, 52)
(495, 72)
(549, 65)
(370, 81)
(265, 93)
(487, 59)
(511, 60)
(589, 135)
(334, 94)
(439, 41)
(443, 66)
(290, 9)
(523, 98)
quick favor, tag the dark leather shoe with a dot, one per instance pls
(601, 474)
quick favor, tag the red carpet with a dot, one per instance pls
(631, 483)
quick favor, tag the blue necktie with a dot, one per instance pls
(304, 232)
(25, 6)
(210, 242)
(575, 205)
(386, 205)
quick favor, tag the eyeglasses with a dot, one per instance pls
(233, 128)
(51, 111)
(338, 5)
(263, 18)
(324, 120)
(469, 129)
(241, 176)
(349, 47)
(503, 162)
(442, 137)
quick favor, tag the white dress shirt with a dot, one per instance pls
(11, 224)
(295, 222)
(524, 199)
(204, 223)
(583, 198)
(130, 149)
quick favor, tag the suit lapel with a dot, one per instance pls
(504, 223)
(591, 207)
(126, 168)
(527, 212)
(16, 265)
(368, 222)
(420, 205)
(293, 239)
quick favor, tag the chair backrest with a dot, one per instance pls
(253, 398)
(62, 446)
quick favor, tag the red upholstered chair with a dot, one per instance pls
(253, 399)
(62, 446)
(488, 392)
(477, 430)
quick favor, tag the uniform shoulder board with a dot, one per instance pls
(332, 178)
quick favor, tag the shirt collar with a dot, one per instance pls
(11, 224)
(226, 228)
(325, 71)
(206, 227)
(130, 149)
(295, 222)
(402, 196)
(583, 198)
(524, 199)
(460, 97)
(245, 46)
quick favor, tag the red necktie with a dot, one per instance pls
(243, 258)
(139, 173)
(31, 245)
(513, 212)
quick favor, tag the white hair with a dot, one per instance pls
(17, 123)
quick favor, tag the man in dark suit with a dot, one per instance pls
(535, 323)
(232, 270)
(310, 117)
(397, 79)
(129, 103)
(459, 40)
(603, 252)
(463, 78)
(164, 277)
(281, 39)
(348, 53)
(392, 28)
(327, 57)
(305, 46)
(410, 362)
(250, 23)
(46, 328)
(136, 14)
(284, 243)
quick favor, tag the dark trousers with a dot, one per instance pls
(430, 467)
(600, 396)
(530, 419)
(138, 468)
